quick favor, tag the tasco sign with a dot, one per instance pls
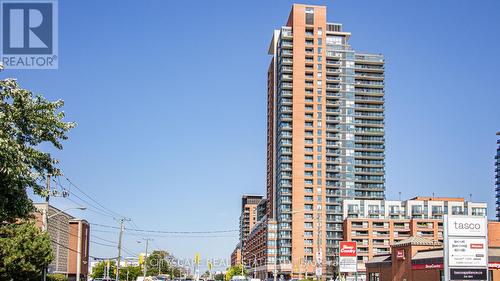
(348, 257)
(471, 226)
(465, 248)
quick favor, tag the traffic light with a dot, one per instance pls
(197, 258)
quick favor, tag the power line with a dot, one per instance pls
(75, 251)
(168, 232)
(106, 240)
(95, 201)
(98, 210)
(91, 207)
(102, 244)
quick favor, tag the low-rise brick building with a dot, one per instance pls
(70, 241)
(418, 258)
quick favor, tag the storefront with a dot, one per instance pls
(417, 259)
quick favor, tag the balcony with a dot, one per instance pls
(374, 212)
(366, 67)
(373, 58)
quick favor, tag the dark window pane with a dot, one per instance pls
(309, 18)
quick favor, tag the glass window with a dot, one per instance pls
(309, 18)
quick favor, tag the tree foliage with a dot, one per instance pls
(158, 263)
(26, 122)
(24, 251)
(99, 269)
(235, 270)
(219, 276)
(133, 272)
(57, 277)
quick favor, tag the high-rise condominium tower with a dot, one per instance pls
(248, 216)
(325, 136)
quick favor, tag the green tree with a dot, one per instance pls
(26, 122)
(133, 272)
(234, 271)
(57, 277)
(99, 269)
(24, 251)
(158, 261)
(219, 277)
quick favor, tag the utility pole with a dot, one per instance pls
(145, 257)
(122, 220)
(159, 268)
(107, 268)
(46, 218)
(319, 257)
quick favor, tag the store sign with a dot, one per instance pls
(494, 265)
(465, 248)
(427, 266)
(348, 257)
(470, 226)
(467, 252)
(468, 274)
(400, 254)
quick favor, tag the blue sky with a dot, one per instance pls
(170, 101)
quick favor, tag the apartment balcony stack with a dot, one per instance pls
(325, 140)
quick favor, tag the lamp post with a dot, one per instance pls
(254, 263)
(63, 211)
(146, 255)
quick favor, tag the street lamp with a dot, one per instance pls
(72, 208)
(254, 263)
(145, 256)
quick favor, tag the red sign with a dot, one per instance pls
(347, 249)
(476, 246)
(427, 266)
(494, 265)
(400, 254)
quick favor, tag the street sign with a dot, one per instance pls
(348, 257)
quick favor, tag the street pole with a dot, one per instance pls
(122, 220)
(159, 268)
(319, 253)
(107, 269)
(46, 219)
(145, 257)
